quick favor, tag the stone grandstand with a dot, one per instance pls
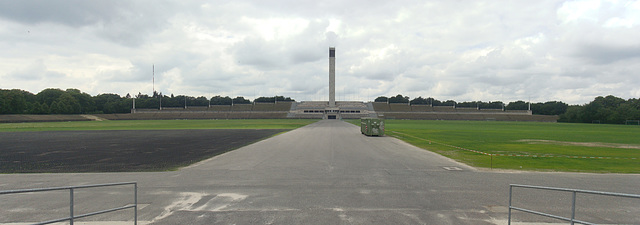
(428, 112)
(319, 110)
(277, 110)
(344, 110)
(23, 118)
(301, 110)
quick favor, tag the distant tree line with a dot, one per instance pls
(74, 101)
(609, 109)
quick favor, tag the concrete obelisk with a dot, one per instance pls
(332, 77)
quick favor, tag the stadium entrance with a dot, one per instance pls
(332, 113)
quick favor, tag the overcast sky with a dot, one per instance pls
(571, 51)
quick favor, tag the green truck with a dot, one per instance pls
(372, 126)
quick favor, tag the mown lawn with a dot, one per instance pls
(157, 125)
(555, 141)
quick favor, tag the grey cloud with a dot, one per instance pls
(500, 58)
(125, 22)
(605, 54)
(255, 51)
(445, 49)
(138, 72)
(37, 70)
(308, 46)
(70, 12)
(356, 9)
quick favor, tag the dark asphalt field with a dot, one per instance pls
(116, 151)
(326, 173)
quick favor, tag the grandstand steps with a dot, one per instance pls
(21, 118)
(93, 117)
(300, 110)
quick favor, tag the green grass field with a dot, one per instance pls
(555, 141)
(157, 125)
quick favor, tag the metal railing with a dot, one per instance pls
(71, 201)
(573, 219)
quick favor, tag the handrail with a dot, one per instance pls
(71, 200)
(573, 201)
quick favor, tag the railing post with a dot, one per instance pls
(510, 193)
(72, 215)
(135, 207)
(574, 197)
(573, 208)
(71, 206)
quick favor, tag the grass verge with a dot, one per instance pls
(157, 125)
(556, 146)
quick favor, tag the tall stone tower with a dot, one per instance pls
(332, 77)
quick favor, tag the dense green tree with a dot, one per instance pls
(174, 101)
(49, 95)
(56, 108)
(218, 100)
(549, 108)
(381, 99)
(200, 101)
(399, 99)
(33, 107)
(272, 99)
(623, 112)
(189, 101)
(430, 100)
(517, 105)
(284, 99)
(572, 115)
(147, 102)
(473, 104)
(609, 109)
(435, 102)
(39, 108)
(445, 103)
(15, 101)
(67, 104)
(140, 95)
(265, 99)
(87, 104)
(241, 100)
(113, 103)
(419, 101)
(491, 105)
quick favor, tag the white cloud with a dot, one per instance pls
(572, 11)
(35, 70)
(548, 50)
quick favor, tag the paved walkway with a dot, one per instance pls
(324, 173)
